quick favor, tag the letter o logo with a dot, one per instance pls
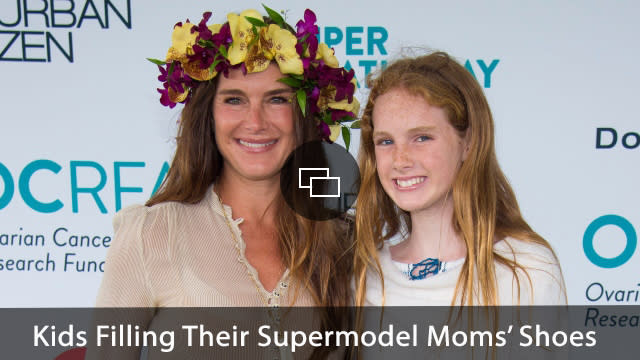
(627, 253)
(5, 177)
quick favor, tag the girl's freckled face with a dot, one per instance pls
(418, 152)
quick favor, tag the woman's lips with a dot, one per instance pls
(257, 145)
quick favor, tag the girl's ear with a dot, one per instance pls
(466, 144)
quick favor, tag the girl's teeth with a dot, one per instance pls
(410, 182)
(256, 146)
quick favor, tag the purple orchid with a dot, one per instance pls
(307, 32)
(203, 55)
(313, 97)
(309, 43)
(308, 25)
(223, 37)
(206, 55)
(164, 96)
(339, 78)
(203, 31)
(324, 131)
(344, 87)
(338, 115)
(176, 80)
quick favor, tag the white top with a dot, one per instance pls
(546, 287)
(183, 255)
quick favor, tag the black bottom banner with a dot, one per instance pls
(550, 332)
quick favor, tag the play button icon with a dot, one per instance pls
(320, 181)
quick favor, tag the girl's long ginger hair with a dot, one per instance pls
(485, 206)
(316, 253)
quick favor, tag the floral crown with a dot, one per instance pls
(250, 42)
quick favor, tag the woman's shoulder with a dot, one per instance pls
(157, 215)
(138, 215)
(148, 227)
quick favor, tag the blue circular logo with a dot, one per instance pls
(622, 223)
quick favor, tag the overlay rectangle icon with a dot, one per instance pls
(318, 178)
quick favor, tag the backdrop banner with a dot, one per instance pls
(84, 134)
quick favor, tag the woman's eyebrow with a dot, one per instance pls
(279, 91)
(230, 92)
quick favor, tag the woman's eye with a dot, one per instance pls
(233, 101)
(279, 100)
(423, 138)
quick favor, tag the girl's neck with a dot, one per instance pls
(432, 236)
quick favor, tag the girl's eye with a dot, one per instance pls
(384, 142)
(233, 101)
(423, 138)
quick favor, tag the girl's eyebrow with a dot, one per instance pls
(380, 133)
(422, 129)
(410, 131)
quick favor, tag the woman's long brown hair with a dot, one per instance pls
(485, 206)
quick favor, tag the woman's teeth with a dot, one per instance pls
(256, 145)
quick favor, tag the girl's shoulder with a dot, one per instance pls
(537, 273)
(525, 252)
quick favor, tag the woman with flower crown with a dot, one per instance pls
(218, 233)
(437, 222)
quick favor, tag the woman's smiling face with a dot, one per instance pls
(254, 123)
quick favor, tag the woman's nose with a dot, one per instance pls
(255, 120)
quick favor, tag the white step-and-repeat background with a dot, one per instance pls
(83, 133)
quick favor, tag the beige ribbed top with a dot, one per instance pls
(183, 255)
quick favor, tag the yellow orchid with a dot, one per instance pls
(326, 100)
(177, 97)
(282, 44)
(183, 37)
(335, 132)
(344, 104)
(259, 55)
(182, 40)
(325, 53)
(327, 94)
(192, 68)
(241, 33)
(214, 28)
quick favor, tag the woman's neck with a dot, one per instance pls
(251, 200)
(432, 236)
(254, 201)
